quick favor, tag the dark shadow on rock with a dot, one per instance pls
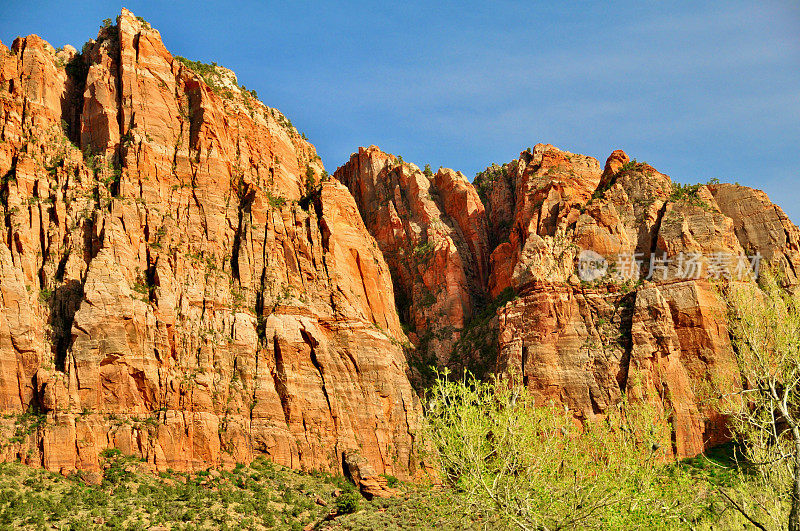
(65, 301)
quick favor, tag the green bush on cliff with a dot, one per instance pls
(690, 194)
(681, 192)
(207, 71)
(144, 23)
(484, 181)
(311, 179)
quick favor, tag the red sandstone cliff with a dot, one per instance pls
(585, 343)
(170, 282)
(178, 282)
(647, 331)
(432, 231)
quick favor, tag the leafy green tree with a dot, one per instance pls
(311, 179)
(541, 469)
(765, 416)
(347, 502)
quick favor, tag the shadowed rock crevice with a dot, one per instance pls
(279, 378)
(656, 229)
(313, 344)
(72, 100)
(64, 302)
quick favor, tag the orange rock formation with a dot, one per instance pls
(645, 329)
(180, 280)
(171, 283)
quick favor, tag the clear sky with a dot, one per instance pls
(697, 89)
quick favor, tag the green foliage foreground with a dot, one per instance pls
(765, 329)
(259, 496)
(540, 469)
(505, 465)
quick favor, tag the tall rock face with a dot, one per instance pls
(175, 281)
(433, 233)
(642, 329)
(762, 227)
(547, 187)
(647, 323)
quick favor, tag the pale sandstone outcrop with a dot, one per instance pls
(761, 226)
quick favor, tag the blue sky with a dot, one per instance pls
(698, 89)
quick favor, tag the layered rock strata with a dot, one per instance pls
(175, 279)
(648, 324)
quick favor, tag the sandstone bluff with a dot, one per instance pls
(180, 280)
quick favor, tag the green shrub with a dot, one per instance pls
(423, 248)
(348, 502)
(207, 71)
(143, 22)
(484, 181)
(391, 481)
(681, 192)
(275, 201)
(688, 193)
(311, 179)
(110, 453)
(428, 299)
(45, 295)
(630, 166)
